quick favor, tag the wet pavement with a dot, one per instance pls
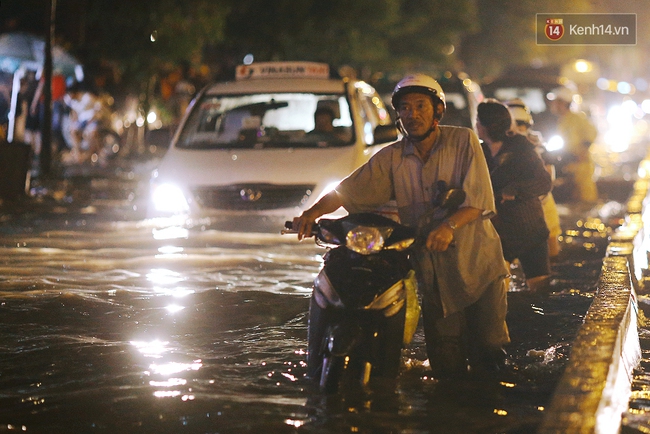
(637, 417)
(111, 323)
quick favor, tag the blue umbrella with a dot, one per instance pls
(20, 49)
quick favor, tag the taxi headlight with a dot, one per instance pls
(366, 240)
(169, 198)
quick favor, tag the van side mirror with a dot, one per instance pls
(385, 133)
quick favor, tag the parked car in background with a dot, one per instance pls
(248, 147)
(463, 96)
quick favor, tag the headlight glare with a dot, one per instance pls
(169, 198)
(555, 143)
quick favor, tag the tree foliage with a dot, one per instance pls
(142, 38)
(139, 39)
(506, 34)
(374, 34)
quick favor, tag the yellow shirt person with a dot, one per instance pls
(578, 134)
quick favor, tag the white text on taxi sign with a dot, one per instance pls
(283, 70)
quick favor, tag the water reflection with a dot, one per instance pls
(170, 233)
(105, 313)
(173, 368)
(163, 276)
(170, 250)
(166, 383)
(151, 349)
(173, 308)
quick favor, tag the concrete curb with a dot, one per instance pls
(595, 388)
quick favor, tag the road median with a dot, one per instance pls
(594, 391)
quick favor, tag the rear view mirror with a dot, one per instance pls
(385, 133)
(453, 198)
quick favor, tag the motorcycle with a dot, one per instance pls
(107, 142)
(364, 306)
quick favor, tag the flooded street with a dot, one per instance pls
(110, 323)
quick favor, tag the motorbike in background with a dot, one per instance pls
(364, 306)
(105, 144)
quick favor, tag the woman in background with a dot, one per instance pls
(518, 179)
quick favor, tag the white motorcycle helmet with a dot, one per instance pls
(419, 83)
(520, 111)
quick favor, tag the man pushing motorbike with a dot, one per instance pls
(460, 267)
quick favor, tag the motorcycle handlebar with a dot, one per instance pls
(288, 229)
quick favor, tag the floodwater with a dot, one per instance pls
(110, 323)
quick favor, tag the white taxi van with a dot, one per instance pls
(249, 146)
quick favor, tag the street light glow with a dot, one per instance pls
(583, 66)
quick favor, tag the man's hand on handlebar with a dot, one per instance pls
(303, 225)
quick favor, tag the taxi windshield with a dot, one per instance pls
(273, 120)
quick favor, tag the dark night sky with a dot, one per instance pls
(32, 16)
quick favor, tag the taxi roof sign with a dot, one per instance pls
(282, 70)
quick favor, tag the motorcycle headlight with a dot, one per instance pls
(366, 240)
(555, 143)
(169, 198)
